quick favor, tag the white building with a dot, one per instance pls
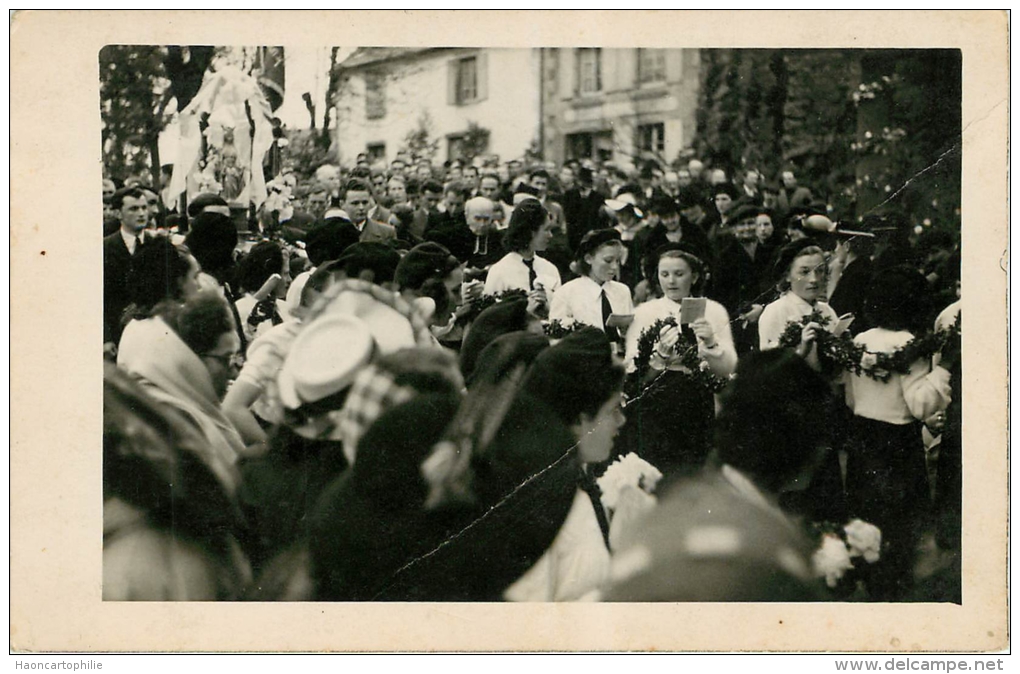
(386, 93)
(619, 104)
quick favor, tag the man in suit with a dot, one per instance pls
(131, 206)
(582, 207)
(357, 203)
(449, 226)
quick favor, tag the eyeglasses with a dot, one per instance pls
(227, 360)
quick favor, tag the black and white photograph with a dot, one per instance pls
(660, 323)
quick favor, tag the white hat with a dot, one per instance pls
(324, 359)
(335, 212)
(622, 201)
(390, 329)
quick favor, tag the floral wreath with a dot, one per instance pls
(841, 351)
(556, 329)
(686, 348)
(485, 301)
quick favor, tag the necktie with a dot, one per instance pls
(532, 276)
(607, 309)
(591, 488)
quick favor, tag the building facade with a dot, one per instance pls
(384, 94)
(618, 104)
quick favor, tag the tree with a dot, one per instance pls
(134, 95)
(474, 142)
(419, 141)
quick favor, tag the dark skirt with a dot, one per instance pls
(669, 424)
(887, 485)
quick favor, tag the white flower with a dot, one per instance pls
(831, 560)
(863, 539)
(867, 134)
(628, 471)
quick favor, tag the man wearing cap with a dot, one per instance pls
(449, 226)
(357, 203)
(207, 202)
(669, 227)
(741, 281)
(582, 207)
(724, 197)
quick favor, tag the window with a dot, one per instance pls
(376, 152)
(598, 145)
(651, 65)
(375, 95)
(652, 138)
(589, 70)
(467, 80)
(579, 146)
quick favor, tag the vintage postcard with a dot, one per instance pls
(888, 127)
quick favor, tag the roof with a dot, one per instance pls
(363, 56)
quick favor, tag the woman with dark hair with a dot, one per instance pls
(430, 277)
(528, 234)
(886, 477)
(801, 269)
(185, 357)
(579, 380)
(162, 272)
(212, 239)
(723, 536)
(262, 276)
(596, 296)
(670, 422)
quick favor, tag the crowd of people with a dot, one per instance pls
(527, 382)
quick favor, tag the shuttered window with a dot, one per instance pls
(375, 96)
(589, 70)
(467, 81)
(651, 65)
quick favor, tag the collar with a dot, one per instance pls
(796, 300)
(593, 288)
(131, 238)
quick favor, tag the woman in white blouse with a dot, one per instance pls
(595, 296)
(886, 475)
(522, 268)
(670, 422)
(802, 270)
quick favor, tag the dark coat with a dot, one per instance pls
(582, 214)
(848, 297)
(452, 232)
(117, 264)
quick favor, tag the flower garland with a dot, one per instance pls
(555, 329)
(485, 301)
(844, 353)
(687, 350)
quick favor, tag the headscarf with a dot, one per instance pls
(173, 374)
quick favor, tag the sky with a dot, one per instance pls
(307, 69)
